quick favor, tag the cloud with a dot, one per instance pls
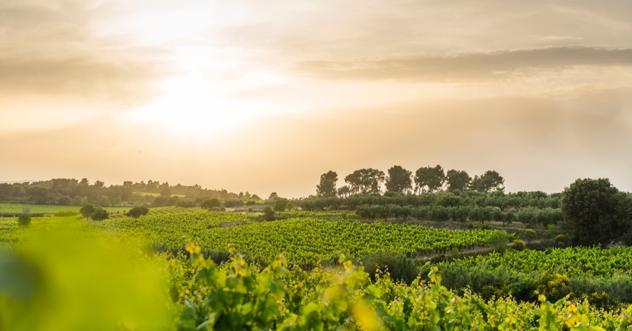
(83, 76)
(50, 51)
(468, 66)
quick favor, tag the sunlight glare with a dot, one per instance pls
(192, 108)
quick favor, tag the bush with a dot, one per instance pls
(269, 214)
(233, 203)
(137, 212)
(519, 244)
(24, 219)
(87, 210)
(99, 214)
(211, 204)
(530, 234)
(399, 267)
(560, 239)
(499, 240)
(281, 204)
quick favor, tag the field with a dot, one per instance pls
(599, 275)
(260, 280)
(11, 209)
(303, 240)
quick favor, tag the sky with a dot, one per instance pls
(264, 96)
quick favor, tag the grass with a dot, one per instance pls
(11, 209)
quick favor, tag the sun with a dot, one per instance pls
(193, 108)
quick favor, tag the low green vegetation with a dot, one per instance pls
(341, 261)
(237, 295)
(303, 240)
(600, 275)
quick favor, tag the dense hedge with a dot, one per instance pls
(529, 215)
(446, 199)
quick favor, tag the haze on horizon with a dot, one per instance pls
(260, 97)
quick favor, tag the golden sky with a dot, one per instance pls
(264, 96)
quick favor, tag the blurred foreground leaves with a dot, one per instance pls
(71, 280)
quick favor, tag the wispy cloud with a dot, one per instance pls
(468, 66)
(50, 50)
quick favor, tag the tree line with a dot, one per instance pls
(400, 180)
(68, 191)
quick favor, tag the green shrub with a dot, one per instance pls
(99, 214)
(499, 240)
(24, 219)
(530, 233)
(137, 212)
(269, 214)
(87, 210)
(211, 204)
(399, 267)
(519, 244)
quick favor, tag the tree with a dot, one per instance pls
(365, 181)
(273, 196)
(398, 180)
(429, 179)
(327, 186)
(458, 180)
(87, 210)
(211, 204)
(137, 212)
(595, 211)
(344, 191)
(490, 181)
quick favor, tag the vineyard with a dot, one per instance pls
(241, 296)
(599, 275)
(303, 240)
(304, 270)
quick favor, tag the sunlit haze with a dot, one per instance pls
(265, 96)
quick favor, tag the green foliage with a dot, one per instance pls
(490, 181)
(365, 181)
(66, 191)
(211, 204)
(137, 212)
(327, 186)
(24, 219)
(507, 202)
(303, 240)
(399, 267)
(280, 204)
(429, 179)
(530, 216)
(458, 180)
(238, 295)
(398, 180)
(597, 213)
(519, 244)
(579, 272)
(57, 280)
(268, 213)
(233, 203)
(499, 240)
(99, 214)
(87, 210)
